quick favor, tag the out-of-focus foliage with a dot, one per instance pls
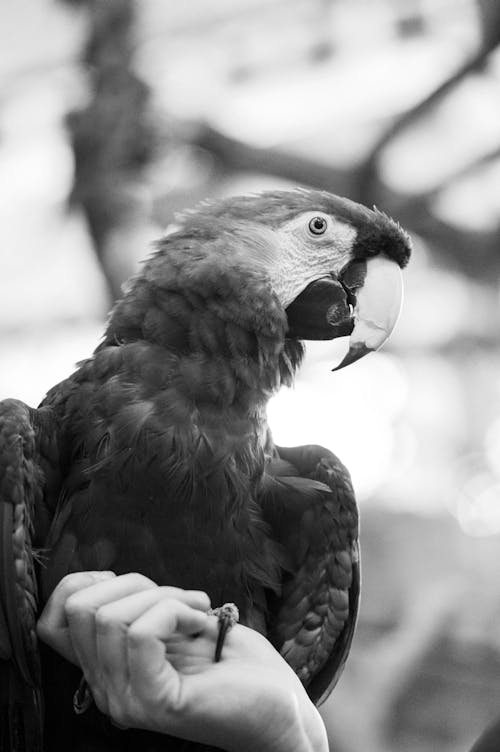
(136, 110)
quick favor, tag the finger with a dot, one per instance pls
(194, 598)
(81, 608)
(126, 610)
(52, 626)
(113, 617)
(149, 670)
(112, 620)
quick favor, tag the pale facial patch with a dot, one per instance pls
(306, 257)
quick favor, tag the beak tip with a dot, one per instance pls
(356, 352)
(378, 303)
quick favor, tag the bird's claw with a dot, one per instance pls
(228, 615)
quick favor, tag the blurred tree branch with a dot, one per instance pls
(368, 175)
(113, 137)
(475, 252)
(235, 155)
(114, 140)
(464, 171)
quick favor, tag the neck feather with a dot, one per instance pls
(226, 332)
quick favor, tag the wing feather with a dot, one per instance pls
(314, 517)
(21, 487)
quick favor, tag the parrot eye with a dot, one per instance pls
(317, 225)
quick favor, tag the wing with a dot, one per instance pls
(26, 443)
(309, 502)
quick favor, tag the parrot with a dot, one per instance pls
(155, 455)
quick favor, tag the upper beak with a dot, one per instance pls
(377, 308)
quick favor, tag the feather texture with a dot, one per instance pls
(154, 456)
(21, 484)
(309, 501)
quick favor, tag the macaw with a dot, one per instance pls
(155, 455)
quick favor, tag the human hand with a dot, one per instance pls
(147, 653)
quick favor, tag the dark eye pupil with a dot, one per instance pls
(317, 225)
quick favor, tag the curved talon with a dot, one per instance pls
(228, 615)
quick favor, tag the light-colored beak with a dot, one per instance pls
(377, 309)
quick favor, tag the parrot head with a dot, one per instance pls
(334, 265)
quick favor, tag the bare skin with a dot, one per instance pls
(147, 654)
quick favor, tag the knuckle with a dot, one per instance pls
(73, 606)
(170, 591)
(67, 581)
(139, 580)
(73, 582)
(104, 620)
(135, 636)
(200, 597)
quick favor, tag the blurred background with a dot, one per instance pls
(115, 114)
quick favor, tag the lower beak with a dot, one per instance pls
(377, 308)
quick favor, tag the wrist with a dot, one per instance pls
(305, 731)
(288, 723)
